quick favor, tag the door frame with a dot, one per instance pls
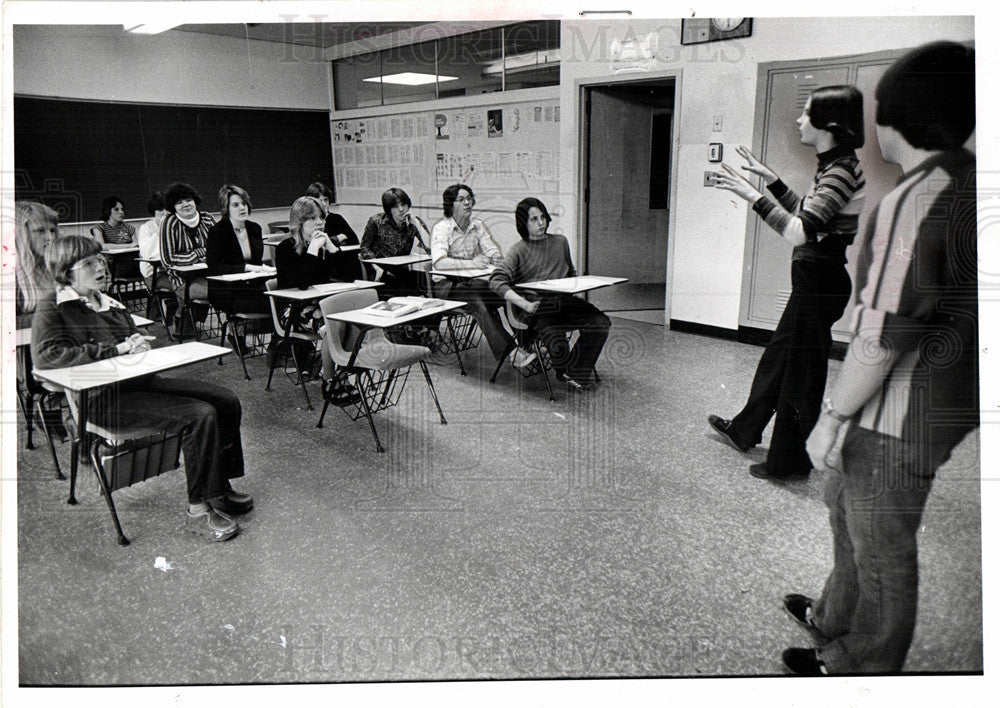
(581, 158)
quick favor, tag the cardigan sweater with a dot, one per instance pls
(67, 332)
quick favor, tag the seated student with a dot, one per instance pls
(543, 256)
(346, 267)
(79, 324)
(184, 239)
(236, 245)
(461, 242)
(396, 232)
(149, 243)
(113, 229)
(36, 227)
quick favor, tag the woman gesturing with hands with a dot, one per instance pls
(791, 375)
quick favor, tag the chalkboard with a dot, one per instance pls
(503, 151)
(72, 154)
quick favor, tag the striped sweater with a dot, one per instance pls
(183, 245)
(829, 212)
(917, 292)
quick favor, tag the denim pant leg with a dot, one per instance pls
(484, 306)
(229, 413)
(833, 612)
(885, 488)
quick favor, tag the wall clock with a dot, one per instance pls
(712, 29)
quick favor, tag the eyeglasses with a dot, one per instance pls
(95, 264)
(468, 201)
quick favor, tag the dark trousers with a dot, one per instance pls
(209, 415)
(559, 314)
(484, 305)
(791, 375)
(869, 603)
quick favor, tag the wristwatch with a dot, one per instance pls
(829, 410)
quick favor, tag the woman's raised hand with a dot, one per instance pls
(733, 181)
(755, 166)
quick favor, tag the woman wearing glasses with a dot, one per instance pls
(396, 232)
(79, 324)
(460, 242)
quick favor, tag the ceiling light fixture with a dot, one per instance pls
(409, 78)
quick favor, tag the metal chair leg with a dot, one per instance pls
(545, 371)
(106, 490)
(368, 415)
(298, 371)
(430, 385)
(222, 336)
(48, 439)
(458, 346)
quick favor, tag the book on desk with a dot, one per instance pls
(403, 305)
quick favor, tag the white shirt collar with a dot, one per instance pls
(64, 293)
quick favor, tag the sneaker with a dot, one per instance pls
(804, 662)
(521, 358)
(213, 524)
(800, 608)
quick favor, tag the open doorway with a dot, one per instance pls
(626, 160)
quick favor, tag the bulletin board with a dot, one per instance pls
(505, 152)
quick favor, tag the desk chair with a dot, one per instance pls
(127, 284)
(540, 365)
(288, 337)
(32, 398)
(238, 324)
(377, 370)
(125, 455)
(160, 301)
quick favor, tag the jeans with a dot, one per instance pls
(484, 305)
(209, 414)
(560, 314)
(869, 604)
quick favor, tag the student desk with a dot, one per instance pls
(380, 393)
(299, 299)
(399, 262)
(84, 378)
(572, 286)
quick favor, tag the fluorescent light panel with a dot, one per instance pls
(151, 27)
(409, 78)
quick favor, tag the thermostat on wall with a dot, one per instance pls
(715, 152)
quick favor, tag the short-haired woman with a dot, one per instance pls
(345, 266)
(396, 232)
(236, 245)
(791, 375)
(79, 324)
(184, 239)
(540, 255)
(113, 228)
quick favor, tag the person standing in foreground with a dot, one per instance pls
(791, 375)
(910, 381)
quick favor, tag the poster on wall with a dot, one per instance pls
(494, 122)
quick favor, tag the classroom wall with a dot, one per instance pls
(104, 63)
(716, 79)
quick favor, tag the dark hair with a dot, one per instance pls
(393, 197)
(929, 96)
(108, 204)
(521, 214)
(839, 110)
(451, 194)
(227, 191)
(178, 192)
(64, 253)
(318, 189)
(155, 203)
